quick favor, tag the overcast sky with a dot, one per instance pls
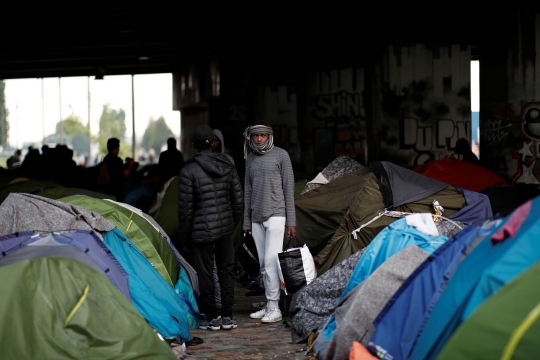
(33, 113)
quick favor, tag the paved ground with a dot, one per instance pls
(250, 340)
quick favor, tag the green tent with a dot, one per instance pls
(505, 326)
(138, 230)
(328, 214)
(167, 214)
(58, 308)
(320, 211)
(50, 190)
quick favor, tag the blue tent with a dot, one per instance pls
(400, 321)
(393, 238)
(499, 258)
(152, 296)
(83, 244)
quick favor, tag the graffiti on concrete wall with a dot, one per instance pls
(336, 115)
(424, 105)
(525, 156)
(342, 111)
(342, 105)
(432, 141)
(496, 124)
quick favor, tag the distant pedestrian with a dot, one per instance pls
(269, 208)
(170, 162)
(464, 150)
(209, 208)
(218, 145)
(115, 167)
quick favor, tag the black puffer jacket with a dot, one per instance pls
(210, 198)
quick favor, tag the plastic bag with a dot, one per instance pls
(296, 268)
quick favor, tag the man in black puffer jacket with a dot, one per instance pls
(210, 203)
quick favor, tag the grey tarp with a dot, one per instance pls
(356, 312)
(340, 167)
(183, 262)
(312, 305)
(22, 212)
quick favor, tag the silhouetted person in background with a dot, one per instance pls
(171, 161)
(115, 167)
(14, 161)
(218, 145)
(463, 149)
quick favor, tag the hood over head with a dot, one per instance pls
(219, 134)
(214, 164)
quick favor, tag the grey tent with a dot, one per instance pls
(356, 312)
(22, 212)
(338, 168)
(312, 305)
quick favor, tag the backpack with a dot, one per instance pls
(103, 175)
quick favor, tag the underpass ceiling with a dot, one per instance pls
(47, 43)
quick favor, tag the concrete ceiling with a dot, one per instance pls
(47, 43)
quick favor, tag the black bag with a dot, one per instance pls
(296, 268)
(246, 254)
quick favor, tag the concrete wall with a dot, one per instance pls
(510, 96)
(421, 102)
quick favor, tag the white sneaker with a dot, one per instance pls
(258, 314)
(272, 315)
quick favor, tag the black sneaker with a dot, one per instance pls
(213, 325)
(227, 323)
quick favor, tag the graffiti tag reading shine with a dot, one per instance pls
(338, 106)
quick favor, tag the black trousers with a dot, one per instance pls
(203, 256)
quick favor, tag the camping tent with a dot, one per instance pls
(356, 312)
(328, 216)
(505, 327)
(189, 270)
(23, 212)
(138, 230)
(151, 294)
(461, 174)
(395, 237)
(496, 260)
(312, 305)
(82, 245)
(155, 299)
(401, 319)
(58, 308)
(338, 168)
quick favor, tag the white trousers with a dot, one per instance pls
(268, 237)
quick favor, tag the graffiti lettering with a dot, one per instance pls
(493, 131)
(338, 106)
(432, 142)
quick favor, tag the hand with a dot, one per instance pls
(247, 232)
(291, 231)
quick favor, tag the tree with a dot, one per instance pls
(73, 133)
(112, 123)
(4, 125)
(156, 134)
